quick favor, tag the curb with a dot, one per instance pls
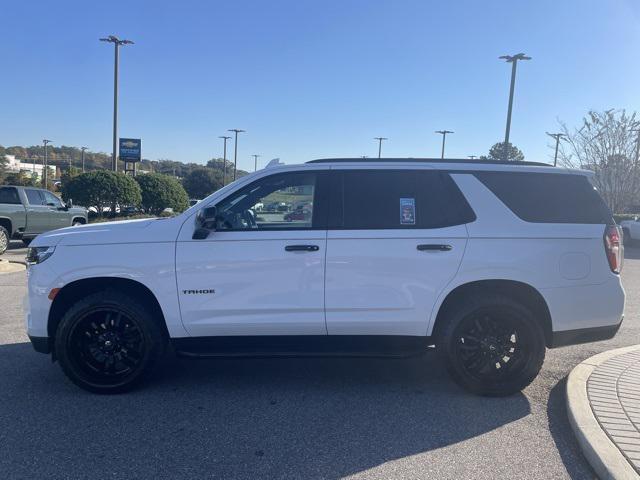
(605, 457)
(8, 266)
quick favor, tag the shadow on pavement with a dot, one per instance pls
(231, 418)
(560, 428)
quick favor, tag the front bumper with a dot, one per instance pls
(584, 335)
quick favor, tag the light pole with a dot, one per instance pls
(82, 149)
(513, 60)
(255, 161)
(224, 159)
(116, 43)
(380, 139)
(235, 151)
(558, 137)
(44, 163)
(444, 139)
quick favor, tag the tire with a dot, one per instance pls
(4, 240)
(76, 223)
(108, 342)
(26, 241)
(484, 332)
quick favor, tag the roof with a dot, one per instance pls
(428, 160)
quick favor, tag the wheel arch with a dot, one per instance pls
(79, 219)
(521, 292)
(6, 223)
(74, 291)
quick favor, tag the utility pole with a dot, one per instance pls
(558, 137)
(255, 162)
(82, 149)
(380, 139)
(444, 138)
(224, 157)
(513, 60)
(44, 163)
(235, 151)
(116, 43)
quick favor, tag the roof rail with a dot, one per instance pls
(429, 160)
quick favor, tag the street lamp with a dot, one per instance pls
(255, 162)
(82, 149)
(224, 158)
(513, 60)
(380, 139)
(235, 151)
(444, 138)
(116, 43)
(44, 163)
(558, 137)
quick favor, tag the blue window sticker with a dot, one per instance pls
(407, 211)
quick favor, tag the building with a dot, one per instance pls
(16, 166)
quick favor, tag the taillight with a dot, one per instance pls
(613, 247)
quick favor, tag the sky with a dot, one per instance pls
(313, 79)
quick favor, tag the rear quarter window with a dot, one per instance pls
(9, 195)
(548, 197)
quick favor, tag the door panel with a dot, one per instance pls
(58, 217)
(380, 283)
(260, 287)
(261, 272)
(38, 213)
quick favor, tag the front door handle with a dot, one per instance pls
(436, 247)
(302, 248)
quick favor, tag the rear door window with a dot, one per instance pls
(548, 197)
(34, 196)
(396, 199)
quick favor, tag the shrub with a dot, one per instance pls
(102, 188)
(161, 191)
(202, 182)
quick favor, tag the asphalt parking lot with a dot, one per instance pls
(287, 418)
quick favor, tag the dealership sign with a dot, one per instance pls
(130, 149)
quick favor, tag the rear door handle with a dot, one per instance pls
(302, 248)
(437, 247)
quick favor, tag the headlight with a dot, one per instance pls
(38, 254)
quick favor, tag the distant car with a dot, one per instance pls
(26, 212)
(298, 214)
(283, 207)
(631, 230)
(258, 207)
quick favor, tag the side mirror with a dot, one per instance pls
(205, 223)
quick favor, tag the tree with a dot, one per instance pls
(202, 182)
(102, 188)
(162, 191)
(3, 164)
(514, 154)
(22, 179)
(607, 143)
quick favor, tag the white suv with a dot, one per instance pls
(491, 262)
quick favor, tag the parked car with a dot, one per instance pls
(631, 230)
(299, 213)
(27, 211)
(490, 262)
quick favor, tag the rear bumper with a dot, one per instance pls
(584, 335)
(41, 344)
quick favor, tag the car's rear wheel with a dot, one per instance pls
(4, 240)
(491, 345)
(108, 342)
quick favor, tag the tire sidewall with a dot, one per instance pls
(4, 235)
(528, 328)
(152, 336)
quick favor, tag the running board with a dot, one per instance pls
(391, 346)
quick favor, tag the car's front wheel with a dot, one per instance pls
(491, 345)
(108, 342)
(4, 240)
